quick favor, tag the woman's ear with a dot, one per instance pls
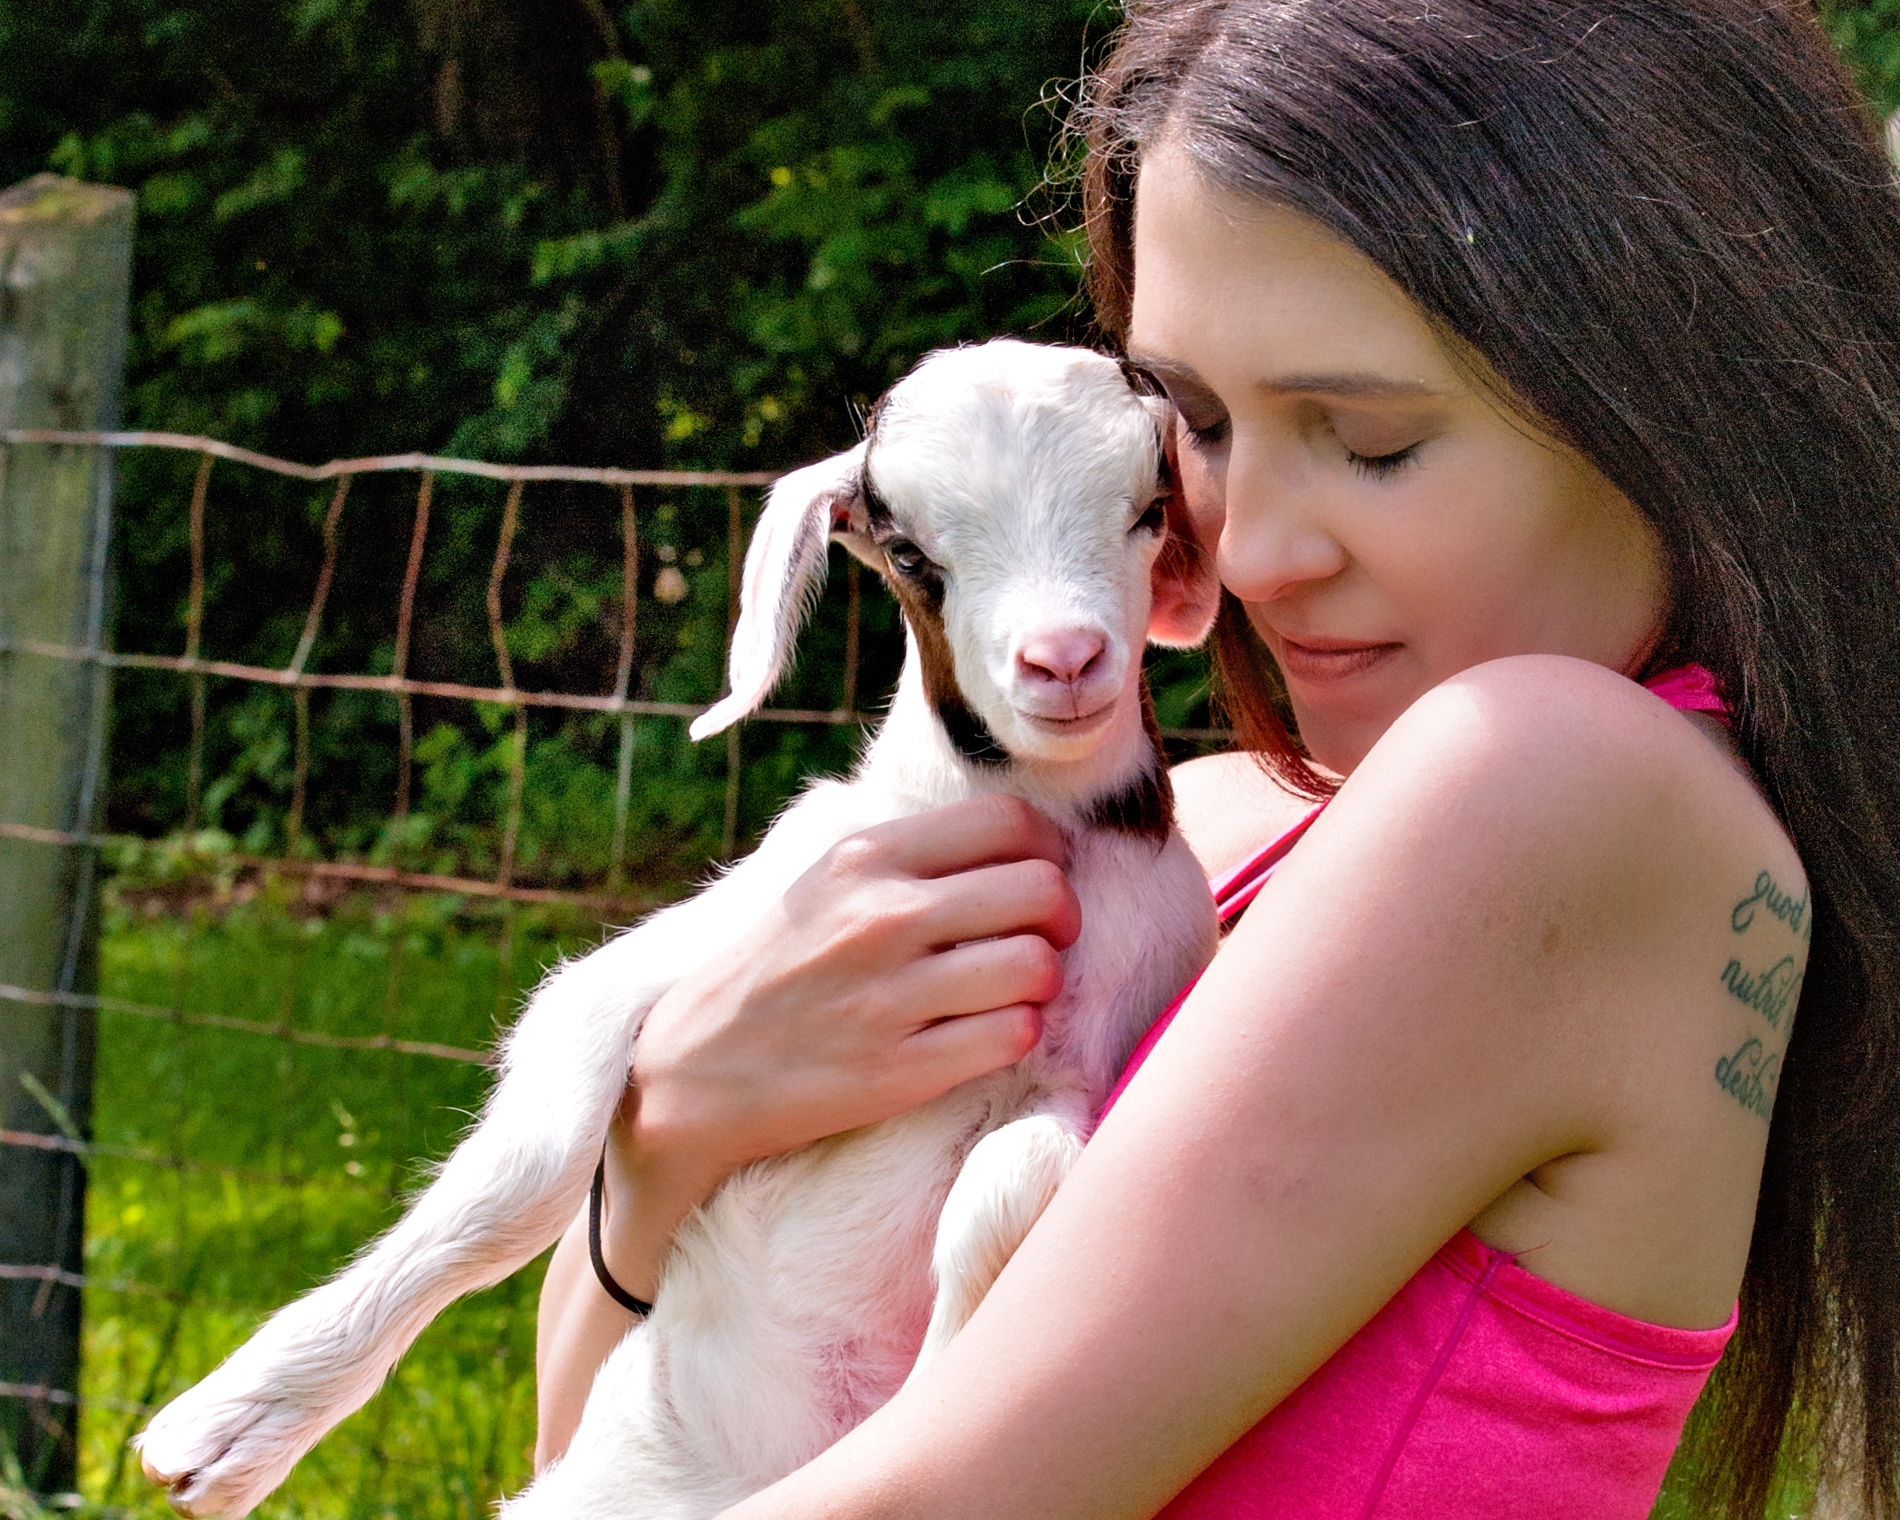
(1185, 589)
(784, 570)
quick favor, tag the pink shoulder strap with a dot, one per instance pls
(1690, 688)
(1237, 887)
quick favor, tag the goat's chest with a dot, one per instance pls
(821, 1259)
(1148, 927)
(859, 1210)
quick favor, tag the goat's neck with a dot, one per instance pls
(913, 756)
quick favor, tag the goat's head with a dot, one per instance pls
(1014, 497)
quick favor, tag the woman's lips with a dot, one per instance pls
(1330, 659)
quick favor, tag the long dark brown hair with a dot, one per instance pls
(1668, 228)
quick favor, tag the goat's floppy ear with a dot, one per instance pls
(784, 568)
(1186, 589)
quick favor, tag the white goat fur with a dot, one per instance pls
(796, 1301)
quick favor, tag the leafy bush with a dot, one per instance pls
(700, 235)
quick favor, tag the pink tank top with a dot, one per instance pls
(1480, 1392)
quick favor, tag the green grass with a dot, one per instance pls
(302, 1154)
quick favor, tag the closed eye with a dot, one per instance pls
(1153, 520)
(1381, 465)
(1210, 435)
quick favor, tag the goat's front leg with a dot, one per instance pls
(503, 1196)
(1006, 1182)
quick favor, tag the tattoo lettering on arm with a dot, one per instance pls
(1750, 1077)
(1752, 1071)
(1771, 993)
(1767, 893)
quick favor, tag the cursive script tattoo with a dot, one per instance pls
(1750, 1077)
(1770, 993)
(1769, 894)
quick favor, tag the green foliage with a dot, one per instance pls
(1868, 36)
(696, 234)
(17, 1499)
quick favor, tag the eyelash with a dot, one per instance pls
(1207, 437)
(1381, 466)
(1377, 466)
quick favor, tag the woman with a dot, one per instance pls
(1520, 351)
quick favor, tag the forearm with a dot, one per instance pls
(1065, 1398)
(575, 1329)
(578, 1324)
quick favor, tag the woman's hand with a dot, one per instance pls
(912, 957)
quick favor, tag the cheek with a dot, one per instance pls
(1535, 557)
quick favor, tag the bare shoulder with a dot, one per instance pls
(1554, 746)
(1553, 832)
(1549, 790)
(1227, 806)
(1538, 751)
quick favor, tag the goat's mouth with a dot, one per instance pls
(1069, 728)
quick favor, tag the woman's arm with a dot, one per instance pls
(1471, 966)
(578, 1325)
(912, 957)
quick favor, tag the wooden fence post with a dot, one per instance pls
(65, 272)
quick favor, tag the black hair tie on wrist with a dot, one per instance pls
(613, 1289)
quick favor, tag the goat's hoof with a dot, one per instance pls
(178, 1489)
(216, 1454)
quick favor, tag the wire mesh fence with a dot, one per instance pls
(293, 1016)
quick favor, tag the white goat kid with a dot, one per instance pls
(1011, 496)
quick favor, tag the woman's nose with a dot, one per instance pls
(1274, 535)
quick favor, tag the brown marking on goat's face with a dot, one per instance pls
(1145, 806)
(919, 594)
(920, 598)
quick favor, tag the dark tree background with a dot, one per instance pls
(543, 230)
(550, 229)
(680, 232)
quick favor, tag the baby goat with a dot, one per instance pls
(1011, 496)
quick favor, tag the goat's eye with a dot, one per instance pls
(906, 558)
(1151, 521)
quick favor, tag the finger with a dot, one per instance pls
(1020, 897)
(971, 979)
(955, 1050)
(962, 836)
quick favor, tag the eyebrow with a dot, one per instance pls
(1354, 386)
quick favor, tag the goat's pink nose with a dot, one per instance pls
(1062, 655)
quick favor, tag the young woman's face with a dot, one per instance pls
(1386, 524)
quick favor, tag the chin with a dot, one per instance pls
(1034, 737)
(1338, 745)
(1339, 733)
